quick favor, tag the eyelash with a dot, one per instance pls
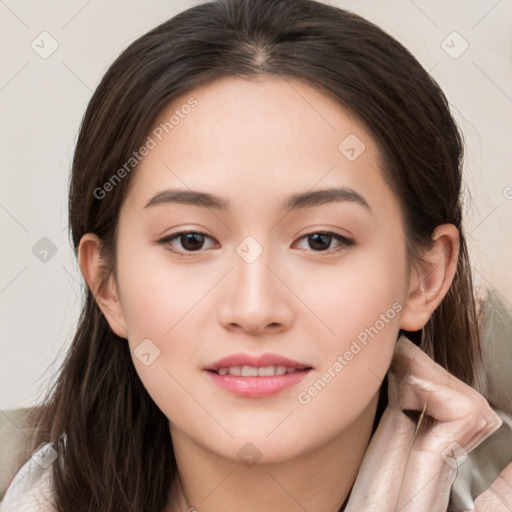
(345, 243)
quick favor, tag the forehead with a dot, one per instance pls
(264, 137)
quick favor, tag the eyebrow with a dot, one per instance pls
(293, 202)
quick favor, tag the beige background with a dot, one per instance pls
(42, 101)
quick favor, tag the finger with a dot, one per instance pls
(427, 483)
(417, 380)
(462, 419)
(429, 476)
(397, 468)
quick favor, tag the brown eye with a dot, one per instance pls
(190, 241)
(321, 241)
(194, 241)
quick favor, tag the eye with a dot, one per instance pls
(191, 241)
(320, 241)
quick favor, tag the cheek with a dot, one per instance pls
(165, 309)
(364, 290)
(359, 306)
(353, 363)
(158, 305)
(156, 294)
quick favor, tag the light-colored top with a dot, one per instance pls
(30, 490)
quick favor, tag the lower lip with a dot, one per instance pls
(257, 387)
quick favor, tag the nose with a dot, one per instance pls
(256, 300)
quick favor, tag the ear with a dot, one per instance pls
(106, 294)
(430, 280)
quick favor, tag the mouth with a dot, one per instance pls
(256, 376)
(261, 371)
(257, 382)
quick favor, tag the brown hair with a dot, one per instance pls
(118, 453)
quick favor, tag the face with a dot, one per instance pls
(319, 279)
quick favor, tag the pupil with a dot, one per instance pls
(315, 237)
(187, 241)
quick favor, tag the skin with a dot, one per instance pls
(254, 143)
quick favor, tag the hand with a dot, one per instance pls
(412, 471)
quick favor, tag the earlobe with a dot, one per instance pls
(431, 278)
(105, 293)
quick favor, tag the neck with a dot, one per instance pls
(319, 480)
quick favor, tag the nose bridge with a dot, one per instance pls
(254, 300)
(252, 276)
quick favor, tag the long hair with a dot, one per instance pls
(118, 453)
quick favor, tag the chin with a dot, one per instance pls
(250, 448)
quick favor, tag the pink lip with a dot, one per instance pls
(258, 361)
(257, 387)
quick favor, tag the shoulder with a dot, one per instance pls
(31, 488)
(484, 477)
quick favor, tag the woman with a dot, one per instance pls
(265, 206)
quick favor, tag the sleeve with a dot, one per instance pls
(30, 490)
(484, 477)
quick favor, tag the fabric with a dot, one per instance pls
(30, 489)
(412, 463)
(409, 465)
(479, 475)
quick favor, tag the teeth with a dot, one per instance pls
(266, 371)
(280, 370)
(251, 371)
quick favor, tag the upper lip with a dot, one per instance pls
(255, 361)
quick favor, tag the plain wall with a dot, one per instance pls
(42, 101)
